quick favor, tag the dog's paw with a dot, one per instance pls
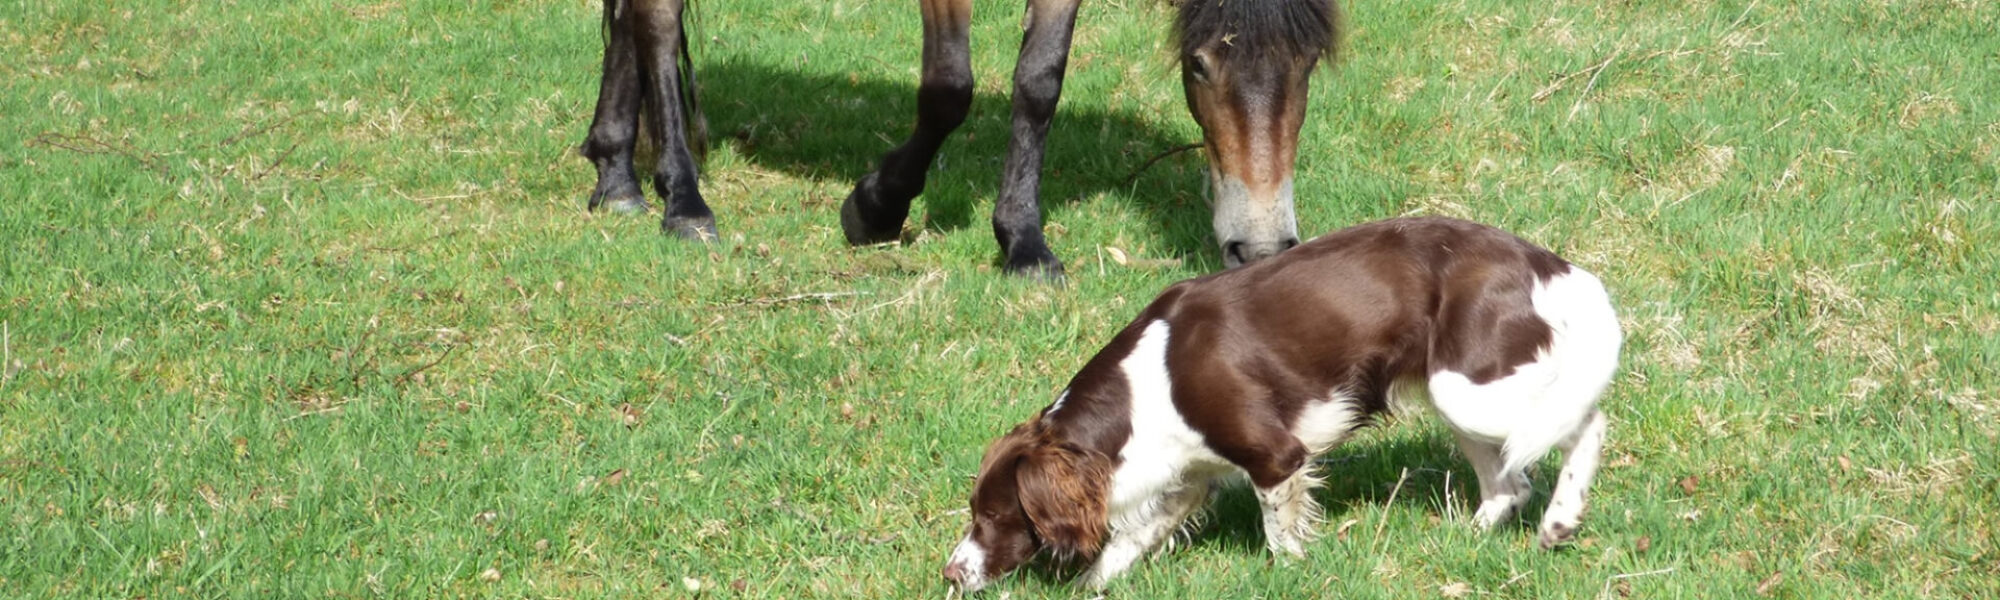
(1557, 533)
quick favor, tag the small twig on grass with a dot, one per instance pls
(406, 377)
(274, 163)
(429, 199)
(908, 295)
(806, 297)
(705, 440)
(1598, 71)
(1380, 523)
(1157, 158)
(6, 353)
(631, 302)
(313, 413)
(1450, 507)
(1741, 16)
(1609, 580)
(1554, 86)
(1594, 70)
(250, 131)
(419, 243)
(85, 144)
(355, 373)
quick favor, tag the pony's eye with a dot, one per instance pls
(1197, 66)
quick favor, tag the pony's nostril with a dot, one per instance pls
(1232, 253)
(1242, 253)
(954, 572)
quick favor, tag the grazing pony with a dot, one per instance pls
(1245, 65)
(1258, 369)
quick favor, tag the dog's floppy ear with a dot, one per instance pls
(1063, 490)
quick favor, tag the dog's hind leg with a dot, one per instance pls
(1581, 454)
(1500, 494)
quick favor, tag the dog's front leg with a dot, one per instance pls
(1143, 529)
(1291, 516)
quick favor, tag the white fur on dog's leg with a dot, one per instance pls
(1179, 507)
(1499, 494)
(1513, 493)
(1116, 558)
(1290, 513)
(1147, 530)
(1485, 458)
(1580, 458)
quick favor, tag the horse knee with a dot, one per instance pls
(657, 13)
(607, 144)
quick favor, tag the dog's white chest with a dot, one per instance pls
(1162, 448)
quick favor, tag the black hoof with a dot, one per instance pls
(699, 229)
(1038, 264)
(865, 220)
(622, 205)
(617, 195)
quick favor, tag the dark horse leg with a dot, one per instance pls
(616, 124)
(644, 66)
(1038, 80)
(876, 209)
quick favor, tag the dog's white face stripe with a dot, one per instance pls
(971, 561)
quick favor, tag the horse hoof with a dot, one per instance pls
(632, 204)
(1040, 266)
(857, 225)
(699, 229)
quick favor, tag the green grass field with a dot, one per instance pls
(299, 299)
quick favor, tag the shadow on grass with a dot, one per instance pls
(837, 127)
(1356, 475)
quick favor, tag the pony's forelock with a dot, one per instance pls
(1261, 28)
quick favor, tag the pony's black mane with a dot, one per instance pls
(1262, 28)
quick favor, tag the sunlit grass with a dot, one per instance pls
(299, 299)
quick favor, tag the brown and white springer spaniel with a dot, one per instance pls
(1259, 368)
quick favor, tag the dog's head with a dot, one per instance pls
(1033, 493)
